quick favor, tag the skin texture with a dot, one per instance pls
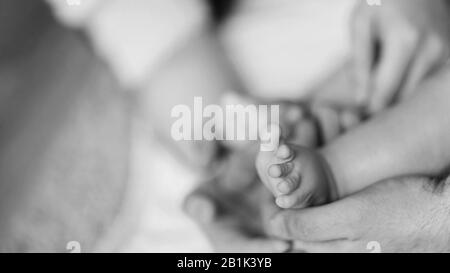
(406, 139)
(402, 215)
(63, 138)
(231, 217)
(229, 208)
(413, 38)
(421, 205)
(400, 28)
(378, 213)
(388, 145)
(296, 176)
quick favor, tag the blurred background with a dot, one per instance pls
(153, 50)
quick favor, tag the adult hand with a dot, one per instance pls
(401, 215)
(230, 221)
(413, 38)
(228, 210)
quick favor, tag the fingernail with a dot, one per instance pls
(275, 171)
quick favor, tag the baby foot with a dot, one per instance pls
(298, 125)
(297, 176)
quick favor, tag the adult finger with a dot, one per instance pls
(431, 54)
(349, 118)
(338, 220)
(396, 55)
(224, 230)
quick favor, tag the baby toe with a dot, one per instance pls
(284, 152)
(280, 170)
(285, 201)
(292, 201)
(288, 185)
(275, 171)
(284, 187)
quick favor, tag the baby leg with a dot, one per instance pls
(297, 176)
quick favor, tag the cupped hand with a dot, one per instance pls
(228, 209)
(399, 215)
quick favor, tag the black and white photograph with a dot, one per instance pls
(225, 126)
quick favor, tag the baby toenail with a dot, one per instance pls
(282, 202)
(275, 171)
(284, 152)
(284, 187)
